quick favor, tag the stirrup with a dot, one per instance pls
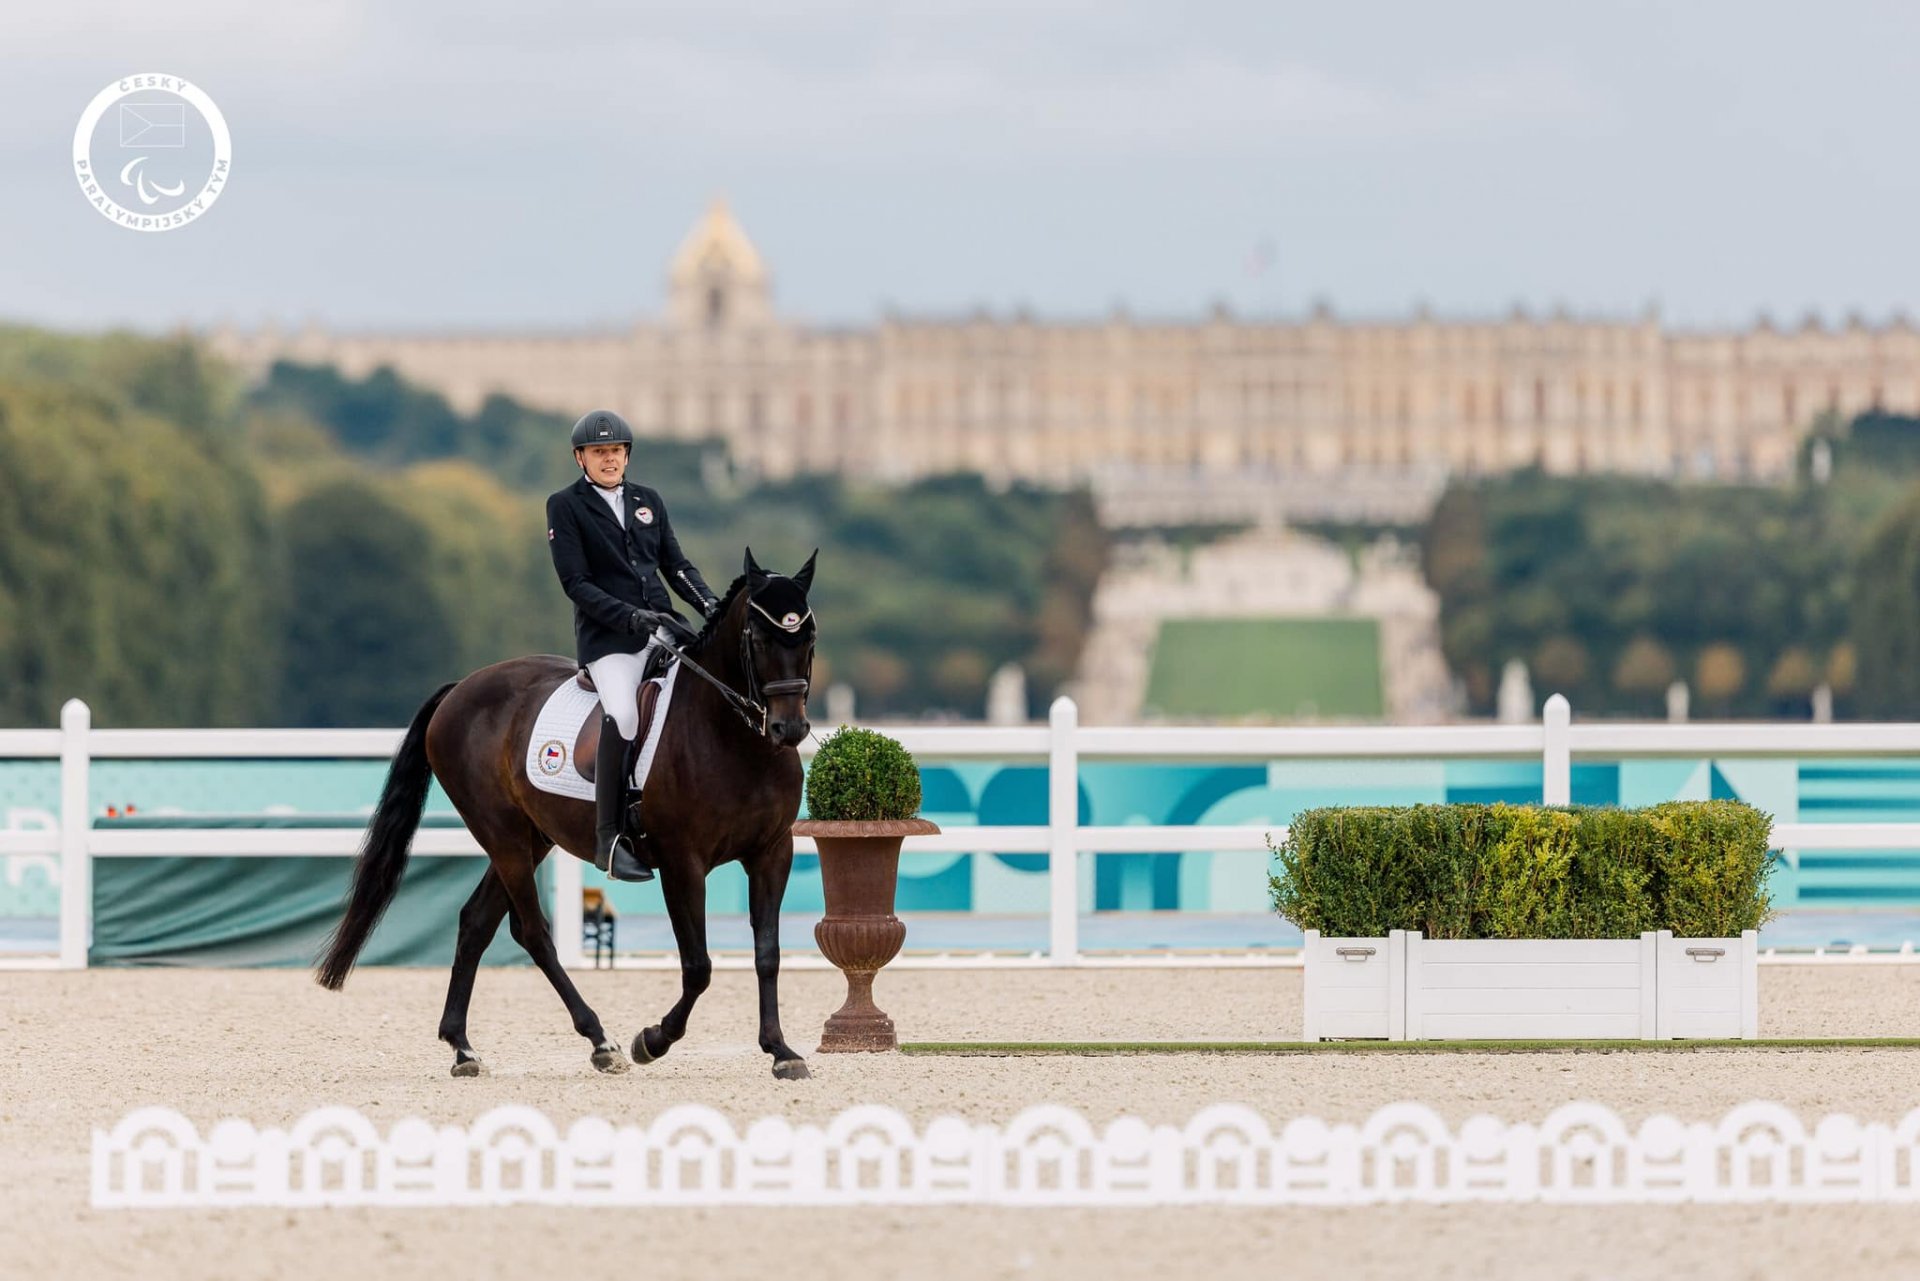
(623, 862)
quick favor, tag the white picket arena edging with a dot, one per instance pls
(1582, 1153)
(1062, 743)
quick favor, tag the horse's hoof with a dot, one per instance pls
(608, 1059)
(469, 1065)
(792, 1070)
(641, 1054)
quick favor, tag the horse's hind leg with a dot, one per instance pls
(516, 872)
(685, 892)
(479, 920)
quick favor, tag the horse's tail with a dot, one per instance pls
(383, 854)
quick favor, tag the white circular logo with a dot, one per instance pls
(553, 756)
(152, 152)
(644, 515)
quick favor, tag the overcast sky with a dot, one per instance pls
(402, 164)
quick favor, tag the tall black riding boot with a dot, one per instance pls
(612, 850)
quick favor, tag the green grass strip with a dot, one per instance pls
(1025, 1049)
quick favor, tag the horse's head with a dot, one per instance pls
(776, 647)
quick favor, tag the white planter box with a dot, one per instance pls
(1503, 989)
(1407, 987)
(1355, 989)
(1706, 988)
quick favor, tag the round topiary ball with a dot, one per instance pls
(861, 776)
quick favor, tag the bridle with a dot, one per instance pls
(749, 705)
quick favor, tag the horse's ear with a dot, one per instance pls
(804, 579)
(751, 568)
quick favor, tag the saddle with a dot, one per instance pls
(587, 746)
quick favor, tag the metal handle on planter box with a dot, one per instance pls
(1354, 953)
(1706, 953)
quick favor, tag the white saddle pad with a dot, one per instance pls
(550, 751)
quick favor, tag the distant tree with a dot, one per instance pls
(1719, 673)
(1521, 559)
(878, 676)
(486, 558)
(136, 564)
(1840, 668)
(1886, 616)
(170, 378)
(960, 677)
(1560, 665)
(1645, 667)
(1793, 676)
(367, 637)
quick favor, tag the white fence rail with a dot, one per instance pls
(1062, 743)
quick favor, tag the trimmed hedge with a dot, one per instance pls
(860, 775)
(1698, 868)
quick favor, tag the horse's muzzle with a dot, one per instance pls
(789, 733)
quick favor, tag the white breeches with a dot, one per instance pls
(617, 677)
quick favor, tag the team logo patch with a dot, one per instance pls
(644, 515)
(791, 622)
(553, 757)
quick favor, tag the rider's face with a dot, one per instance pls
(604, 463)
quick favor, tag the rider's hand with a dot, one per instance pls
(641, 621)
(675, 628)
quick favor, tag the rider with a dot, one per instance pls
(608, 536)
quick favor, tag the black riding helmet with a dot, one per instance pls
(602, 427)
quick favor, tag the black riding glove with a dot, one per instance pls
(643, 621)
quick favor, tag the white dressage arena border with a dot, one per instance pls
(1045, 1156)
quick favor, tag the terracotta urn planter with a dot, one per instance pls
(859, 867)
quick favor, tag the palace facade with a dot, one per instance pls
(1308, 404)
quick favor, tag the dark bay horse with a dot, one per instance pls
(724, 785)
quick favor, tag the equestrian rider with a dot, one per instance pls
(609, 536)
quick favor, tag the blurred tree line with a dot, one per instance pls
(177, 549)
(1610, 588)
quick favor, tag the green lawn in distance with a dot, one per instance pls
(1280, 667)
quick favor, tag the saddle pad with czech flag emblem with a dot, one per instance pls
(550, 750)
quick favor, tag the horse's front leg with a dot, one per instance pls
(685, 891)
(766, 888)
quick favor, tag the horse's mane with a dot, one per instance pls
(720, 612)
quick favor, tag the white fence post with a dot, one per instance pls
(566, 909)
(1063, 820)
(76, 826)
(1556, 783)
